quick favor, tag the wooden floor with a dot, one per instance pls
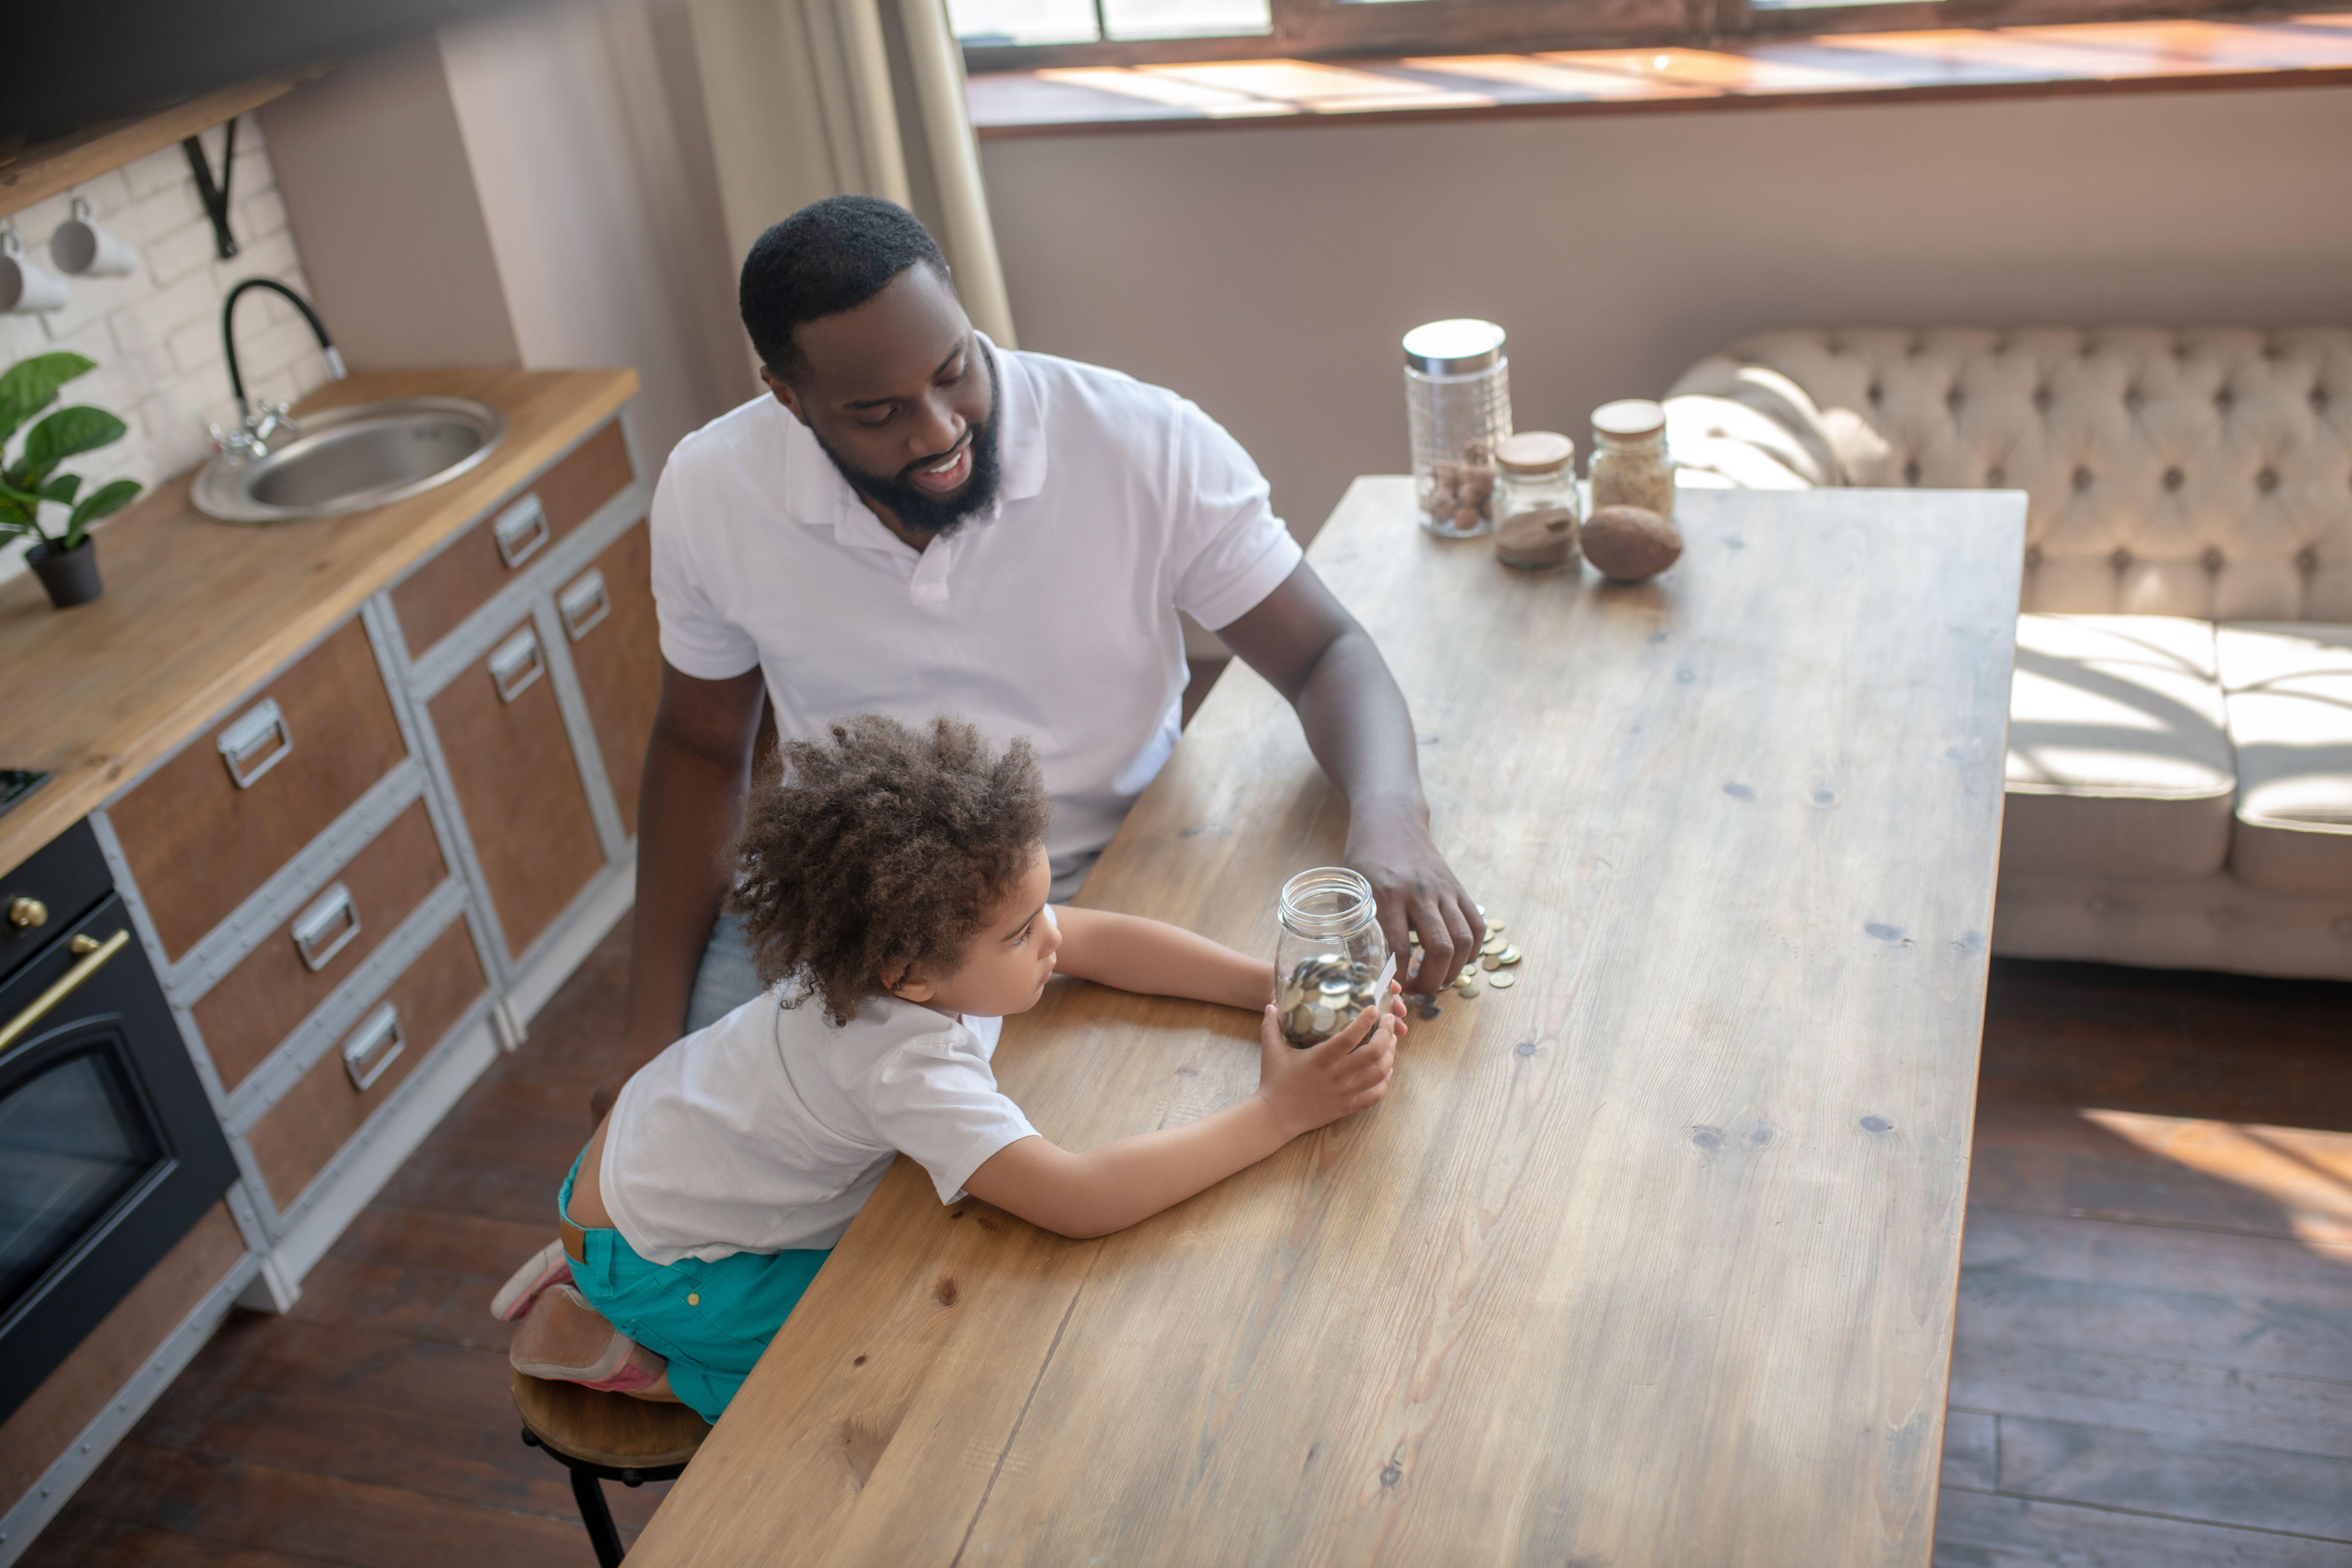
(2154, 1365)
(2154, 1362)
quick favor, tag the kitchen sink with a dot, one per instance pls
(349, 459)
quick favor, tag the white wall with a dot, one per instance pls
(584, 132)
(373, 171)
(536, 190)
(155, 333)
(1268, 273)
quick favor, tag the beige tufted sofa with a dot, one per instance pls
(2180, 731)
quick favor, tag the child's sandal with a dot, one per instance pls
(548, 1267)
(565, 1340)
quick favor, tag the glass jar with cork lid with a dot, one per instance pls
(1457, 391)
(1535, 499)
(1631, 465)
(1331, 960)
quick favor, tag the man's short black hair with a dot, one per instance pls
(829, 256)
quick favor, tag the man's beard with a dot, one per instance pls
(919, 512)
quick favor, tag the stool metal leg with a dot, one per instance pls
(588, 1492)
(598, 1517)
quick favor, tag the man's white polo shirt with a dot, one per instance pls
(1053, 617)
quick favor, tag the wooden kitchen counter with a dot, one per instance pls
(197, 612)
(1649, 1260)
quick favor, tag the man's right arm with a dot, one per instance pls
(689, 808)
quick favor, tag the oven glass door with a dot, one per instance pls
(75, 1143)
(109, 1150)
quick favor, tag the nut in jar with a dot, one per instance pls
(1458, 403)
(1462, 494)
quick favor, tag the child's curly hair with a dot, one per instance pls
(881, 848)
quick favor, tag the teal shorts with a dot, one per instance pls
(710, 1320)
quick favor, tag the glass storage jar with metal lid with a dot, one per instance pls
(1535, 499)
(1457, 393)
(1631, 466)
(1331, 960)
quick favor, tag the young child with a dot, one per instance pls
(894, 893)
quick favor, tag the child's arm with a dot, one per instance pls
(1110, 1188)
(1155, 959)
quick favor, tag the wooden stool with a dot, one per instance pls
(604, 1437)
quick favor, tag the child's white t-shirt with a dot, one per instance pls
(771, 1128)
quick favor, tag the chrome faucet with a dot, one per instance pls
(255, 431)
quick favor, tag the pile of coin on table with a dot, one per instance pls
(1497, 956)
(1321, 993)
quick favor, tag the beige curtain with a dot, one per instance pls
(808, 99)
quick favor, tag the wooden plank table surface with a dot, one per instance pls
(1650, 1259)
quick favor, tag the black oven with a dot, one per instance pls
(109, 1150)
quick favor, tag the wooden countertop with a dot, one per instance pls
(1649, 1260)
(198, 611)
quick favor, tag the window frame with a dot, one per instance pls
(1339, 29)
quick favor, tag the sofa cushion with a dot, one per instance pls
(2201, 472)
(2288, 687)
(2119, 760)
(1747, 428)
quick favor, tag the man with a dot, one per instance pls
(917, 522)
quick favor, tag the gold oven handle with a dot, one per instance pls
(66, 983)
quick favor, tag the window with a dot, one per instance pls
(1012, 34)
(985, 24)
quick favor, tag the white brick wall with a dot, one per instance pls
(155, 334)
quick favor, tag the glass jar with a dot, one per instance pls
(1457, 395)
(1631, 466)
(1329, 961)
(1535, 499)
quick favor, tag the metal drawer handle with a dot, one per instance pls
(520, 531)
(374, 1045)
(92, 960)
(326, 928)
(516, 665)
(243, 741)
(584, 606)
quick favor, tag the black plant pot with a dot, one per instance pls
(70, 575)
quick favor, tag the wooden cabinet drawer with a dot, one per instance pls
(273, 988)
(480, 562)
(203, 831)
(608, 614)
(326, 1107)
(525, 808)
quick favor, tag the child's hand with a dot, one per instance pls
(1311, 1088)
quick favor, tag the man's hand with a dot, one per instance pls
(632, 1054)
(1416, 890)
(1312, 651)
(697, 764)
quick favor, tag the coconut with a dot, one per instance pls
(1628, 543)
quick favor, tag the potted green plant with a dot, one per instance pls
(67, 560)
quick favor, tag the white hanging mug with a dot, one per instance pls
(26, 289)
(82, 250)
